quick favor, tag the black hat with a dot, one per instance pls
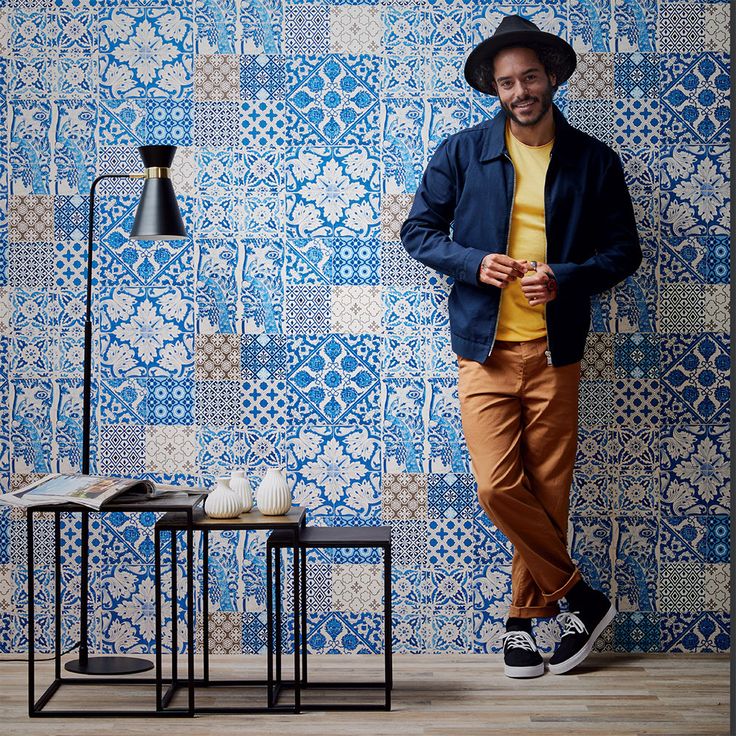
(517, 31)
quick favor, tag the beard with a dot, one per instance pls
(544, 100)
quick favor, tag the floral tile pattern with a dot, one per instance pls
(332, 192)
(701, 79)
(146, 50)
(694, 198)
(694, 461)
(334, 100)
(291, 328)
(695, 375)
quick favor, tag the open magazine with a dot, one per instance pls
(87, 490)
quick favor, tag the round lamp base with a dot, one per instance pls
(109, 666)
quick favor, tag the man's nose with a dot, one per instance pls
(521, 90)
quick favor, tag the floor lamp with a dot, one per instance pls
(157, 218)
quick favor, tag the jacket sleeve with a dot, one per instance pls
(425, 233)
(617, 250)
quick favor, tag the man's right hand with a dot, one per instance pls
(498, 269)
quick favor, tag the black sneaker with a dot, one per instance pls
(520, 655)
(580, 630)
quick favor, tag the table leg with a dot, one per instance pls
(157, 574)
(297, 636)
(303, 558)
(277, 557)
(206, 603)
(31, 614)
(190, 614)
(57, 595)
(388, 631)
(174, 612)
(84, 594)
(269, 623)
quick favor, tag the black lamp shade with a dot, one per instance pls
(158, 216)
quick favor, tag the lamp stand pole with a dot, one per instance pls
(84, 664)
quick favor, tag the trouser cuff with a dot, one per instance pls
(560, 592)
(534, 611)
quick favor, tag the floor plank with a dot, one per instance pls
(434, 695)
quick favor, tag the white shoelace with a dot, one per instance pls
(571, 624)
(520, 640)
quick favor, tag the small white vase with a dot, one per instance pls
(240, 485)
(222, 503)
(273, 495)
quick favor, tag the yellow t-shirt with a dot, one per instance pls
(517, 319)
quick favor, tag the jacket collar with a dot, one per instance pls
(494, 140)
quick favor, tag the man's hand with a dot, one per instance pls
(540, 286)
(498, 269)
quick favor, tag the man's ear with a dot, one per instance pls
(553, 79)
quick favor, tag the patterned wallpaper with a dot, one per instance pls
(291, 328)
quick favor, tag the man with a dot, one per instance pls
(541, 219)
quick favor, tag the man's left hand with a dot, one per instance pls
(540, 286)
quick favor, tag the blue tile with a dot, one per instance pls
(335, 378)
(30, 146)
(695, 378)
(170, 401)
(216, 26)
(167, 73)
(356, 261)
(694, 467)
(695, 98)
(333, 99)
(71, 217)
(636, 355)
(169, 122)
(451, 495)
(637, 631)
(719, 545)
(262, 77)
(123, 121)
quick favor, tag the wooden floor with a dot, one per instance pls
(437, 695)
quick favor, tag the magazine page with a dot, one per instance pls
(86, 490)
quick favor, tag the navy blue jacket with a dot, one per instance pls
(462, 212)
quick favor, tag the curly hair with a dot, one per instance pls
(550, 58)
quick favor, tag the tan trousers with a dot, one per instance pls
(520, 419)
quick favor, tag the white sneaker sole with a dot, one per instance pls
(578, 657)
(534, 670)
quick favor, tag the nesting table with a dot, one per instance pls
(288, 525)
(183, 503)
(183, 512)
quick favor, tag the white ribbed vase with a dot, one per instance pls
(222, 503)
(273, 495)
(240, 485)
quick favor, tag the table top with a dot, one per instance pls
(292, 519)
(339, 536)
(180, 499)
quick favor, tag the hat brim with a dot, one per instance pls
(487, 49)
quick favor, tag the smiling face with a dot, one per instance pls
(525, 90)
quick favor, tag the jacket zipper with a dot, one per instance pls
(506, 251)
(548, 351)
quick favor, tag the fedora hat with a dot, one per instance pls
(514, 30)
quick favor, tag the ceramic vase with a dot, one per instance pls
(240, 485)
(274, 494)
(222, 503)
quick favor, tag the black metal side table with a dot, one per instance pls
(184, 503)
(289, 526)
(378, 537)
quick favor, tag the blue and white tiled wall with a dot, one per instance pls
(292, 329)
